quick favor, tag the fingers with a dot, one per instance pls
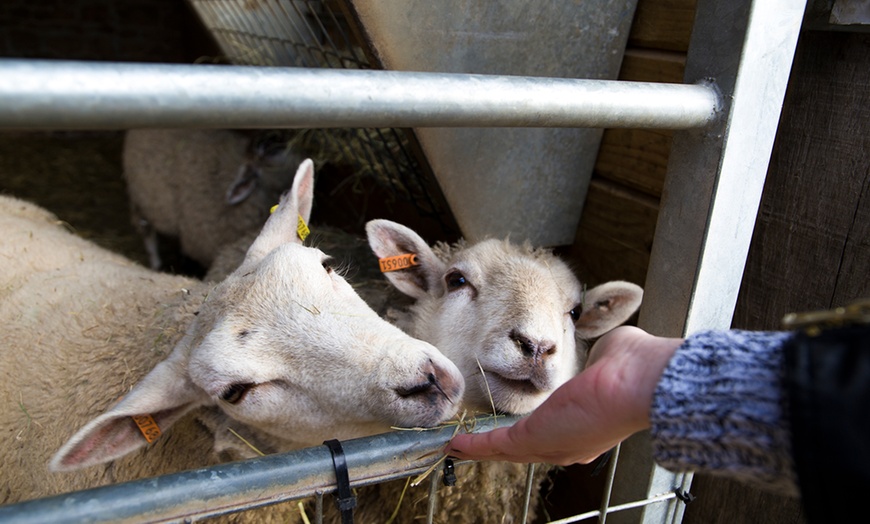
(476, 446)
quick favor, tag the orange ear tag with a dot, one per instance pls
(148, 426)
(398, 262)
(301, 227)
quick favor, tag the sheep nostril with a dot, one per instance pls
(415, 389)
(424, 387)
(532, 348)
(526, 345)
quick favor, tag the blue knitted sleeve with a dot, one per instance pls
(720, 408)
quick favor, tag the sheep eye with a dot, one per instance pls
(455, 280)
(328, 264)
(575, 313)
(235, 393)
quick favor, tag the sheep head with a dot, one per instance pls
(513, 318)
(285, 346)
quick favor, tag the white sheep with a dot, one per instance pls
(515, 320)
(205, 187)
(282, 353)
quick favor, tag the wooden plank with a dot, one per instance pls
(663, 24)
(615, 234)
(636, 158)
(814, 223)
(644, 65)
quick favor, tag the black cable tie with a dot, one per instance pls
(685, 496)
(344, 499)
(449, 478)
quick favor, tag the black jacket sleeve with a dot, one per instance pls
(828, 384)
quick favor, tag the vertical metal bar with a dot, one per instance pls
(530, 478)
(434, 477)
(318, 507)
(711, 195)
(608, 485)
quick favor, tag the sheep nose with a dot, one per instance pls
(532, 348)
(431, 384)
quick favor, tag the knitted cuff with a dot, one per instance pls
(720, 408)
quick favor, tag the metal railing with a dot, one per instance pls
(253, 483)
(37, 94)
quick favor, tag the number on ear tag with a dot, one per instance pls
(148, 426)
(398, 262)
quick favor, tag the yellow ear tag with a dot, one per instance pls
(301, 228)
(398, 262)
(148, 426)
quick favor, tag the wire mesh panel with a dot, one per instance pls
(318, 34)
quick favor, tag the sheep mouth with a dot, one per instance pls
(526, 385)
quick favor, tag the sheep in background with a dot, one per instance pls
(282, 353)
(205, 187)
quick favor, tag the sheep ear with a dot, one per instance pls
(607, 306)
(244, 184)
(281, 227)
(165, 394)
(388, 239)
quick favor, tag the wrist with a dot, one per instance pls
(630, 363)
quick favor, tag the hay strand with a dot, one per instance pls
(257, 451)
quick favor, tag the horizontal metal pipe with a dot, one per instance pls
(246, 484)
(47, 94)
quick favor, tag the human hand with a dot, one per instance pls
(588, 415)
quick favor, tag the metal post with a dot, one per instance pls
(711, 195)
(42, 94)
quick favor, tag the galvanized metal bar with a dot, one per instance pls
(652, 501)
(608, 484)
(247, 484)
(432, 505)
(318, 507)
(711, 196)
(530, 478)
(46, 94)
